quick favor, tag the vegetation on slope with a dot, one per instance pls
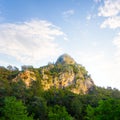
(34, 102)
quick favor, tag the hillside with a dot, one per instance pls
(58, 91)
(65, 73)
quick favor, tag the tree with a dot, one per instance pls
(12, 68)
(58, 113)
(26, 67)
(19, 90)
(14, 110)
(106, 110)
(77, 108)
(38, 106)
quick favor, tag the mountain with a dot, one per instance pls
(64, 74)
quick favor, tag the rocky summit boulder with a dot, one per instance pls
(65, 59)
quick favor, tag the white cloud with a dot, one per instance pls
(29, 42)
(110, 8)
(68, 13)
(112, 22)
(111, 11)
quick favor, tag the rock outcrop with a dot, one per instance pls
(27, 76)
(64, 74)
(65, 59)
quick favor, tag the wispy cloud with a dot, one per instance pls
(111, 22)
(30, 42)
(110, 8)
(68, 13)
(111, 11)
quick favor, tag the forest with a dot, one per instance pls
(20, 102)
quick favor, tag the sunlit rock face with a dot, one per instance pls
(26, 76)
(64, 74)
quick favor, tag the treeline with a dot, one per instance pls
(19, 102)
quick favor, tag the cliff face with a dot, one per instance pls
(65, 73)
(27, 76)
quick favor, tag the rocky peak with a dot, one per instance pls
(65, 73)
(65, 59)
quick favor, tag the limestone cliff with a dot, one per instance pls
(65, 73)
(27, 76)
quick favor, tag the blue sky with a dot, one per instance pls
(35, 32)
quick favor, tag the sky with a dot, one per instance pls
(35, 32)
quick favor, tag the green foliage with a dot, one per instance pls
(106, 110)
(58, 96)
(14, 110)
(19, 90)
(4, 73)
(77, 108)
(38, 107)
(58, 113)
(26, 67)
(54, 104)
(35, 88)
(8, 73)
(83, 71)
(13, 74)
(5, 87)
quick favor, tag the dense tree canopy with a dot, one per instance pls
(14, 110)
(58, 113)
(20, 102)
(106, 110)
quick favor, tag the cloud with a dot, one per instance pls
(111, 11)
(112, 22)
(110, 8)
(29, 42)
(68, 13)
